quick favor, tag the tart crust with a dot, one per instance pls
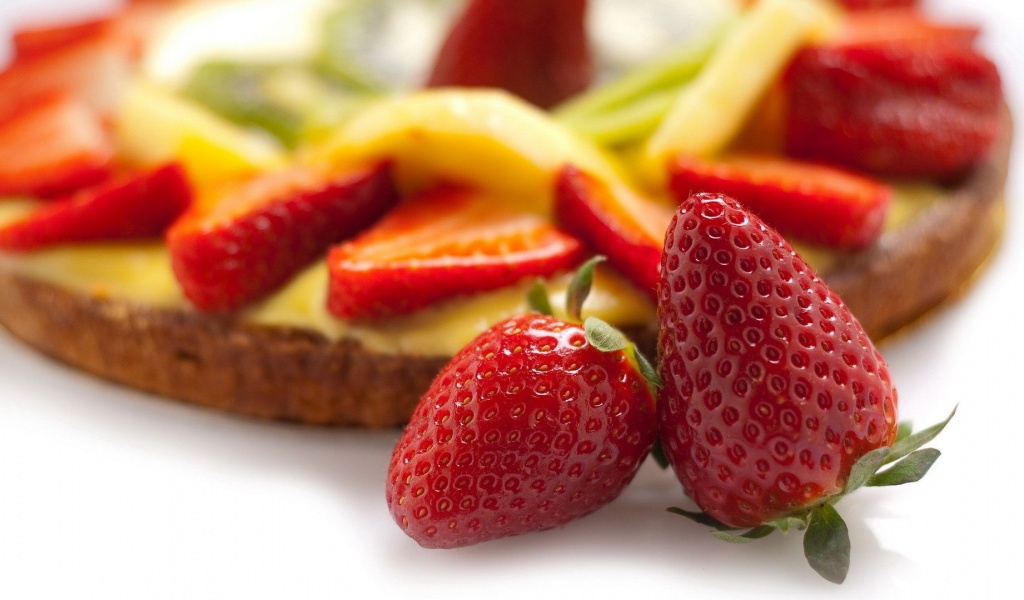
(297, 375)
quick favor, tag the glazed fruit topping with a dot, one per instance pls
(816, 203)
(255, 234)
(136, 206)
(899, 108)
(535, 49)
(53, 146)
(615, 221)
(532, 425)
(441, 244)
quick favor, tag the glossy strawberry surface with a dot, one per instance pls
(772, 389)
(876, 4)
(899, 109)
(254, 235)
(527, 428)
(816, 203)
(536, 49)
(441, 244)
(136, 206)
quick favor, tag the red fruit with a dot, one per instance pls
(904, 26)
(442, 244)
(858, 5)
(894, 109)
(261, 231)
(33, 41)
(136, 206)
(92, 68)
(772, 389)
(615, 222)
(527, 428)
(51, 147)
(816, 203)
(536, 49)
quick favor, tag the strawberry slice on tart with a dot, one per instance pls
(134, 206)
(615, 221)
(53, 146)
(816, 203)
(895, 107)
(443, 243)
(253, 235)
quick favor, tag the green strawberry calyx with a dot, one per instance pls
(826, 538)
(600, 334)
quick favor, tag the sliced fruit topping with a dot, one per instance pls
(775, 402)
(905, 26)
(515, 149)
(55, 145)
(900, 109)
(136, 206)
(155, 126)
(870, 5)
(254, 234)
(709, 112)
(535, 49)
(816, 203)
(616, 221)
(441, 244)
(92, 65)
(535, 423)
(33, 41)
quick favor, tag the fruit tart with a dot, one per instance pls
(309, 230)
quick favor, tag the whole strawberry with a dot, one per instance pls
(775, 402)
(527, 428)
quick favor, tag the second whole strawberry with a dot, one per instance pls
(535, 423)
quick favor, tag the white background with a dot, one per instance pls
(107, 493)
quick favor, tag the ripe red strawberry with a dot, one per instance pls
(535, 49)
(92, 68)
(528, 427)
(816, 203)
(51, 147)
(901, 25)
(775, 402)
(258, 232)
(614, 221)
(900, 109)
(34, 41)
(868, 5)
(136, 206)
(441, 244)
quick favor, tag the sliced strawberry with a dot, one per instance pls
(869, 5)
(441, 244)
(93, 68)
(136, 206)
(52, 147)
(816, 203)
(614, 221)
(901, 25)
(261, 231)
(34, 41)
(535, 49)
(893, 109)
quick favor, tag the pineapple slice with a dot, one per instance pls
(708, 113)
(155, 126)
(482, 138)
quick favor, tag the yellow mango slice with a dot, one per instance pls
(483, 138)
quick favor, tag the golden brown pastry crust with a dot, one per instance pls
(295, 375)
